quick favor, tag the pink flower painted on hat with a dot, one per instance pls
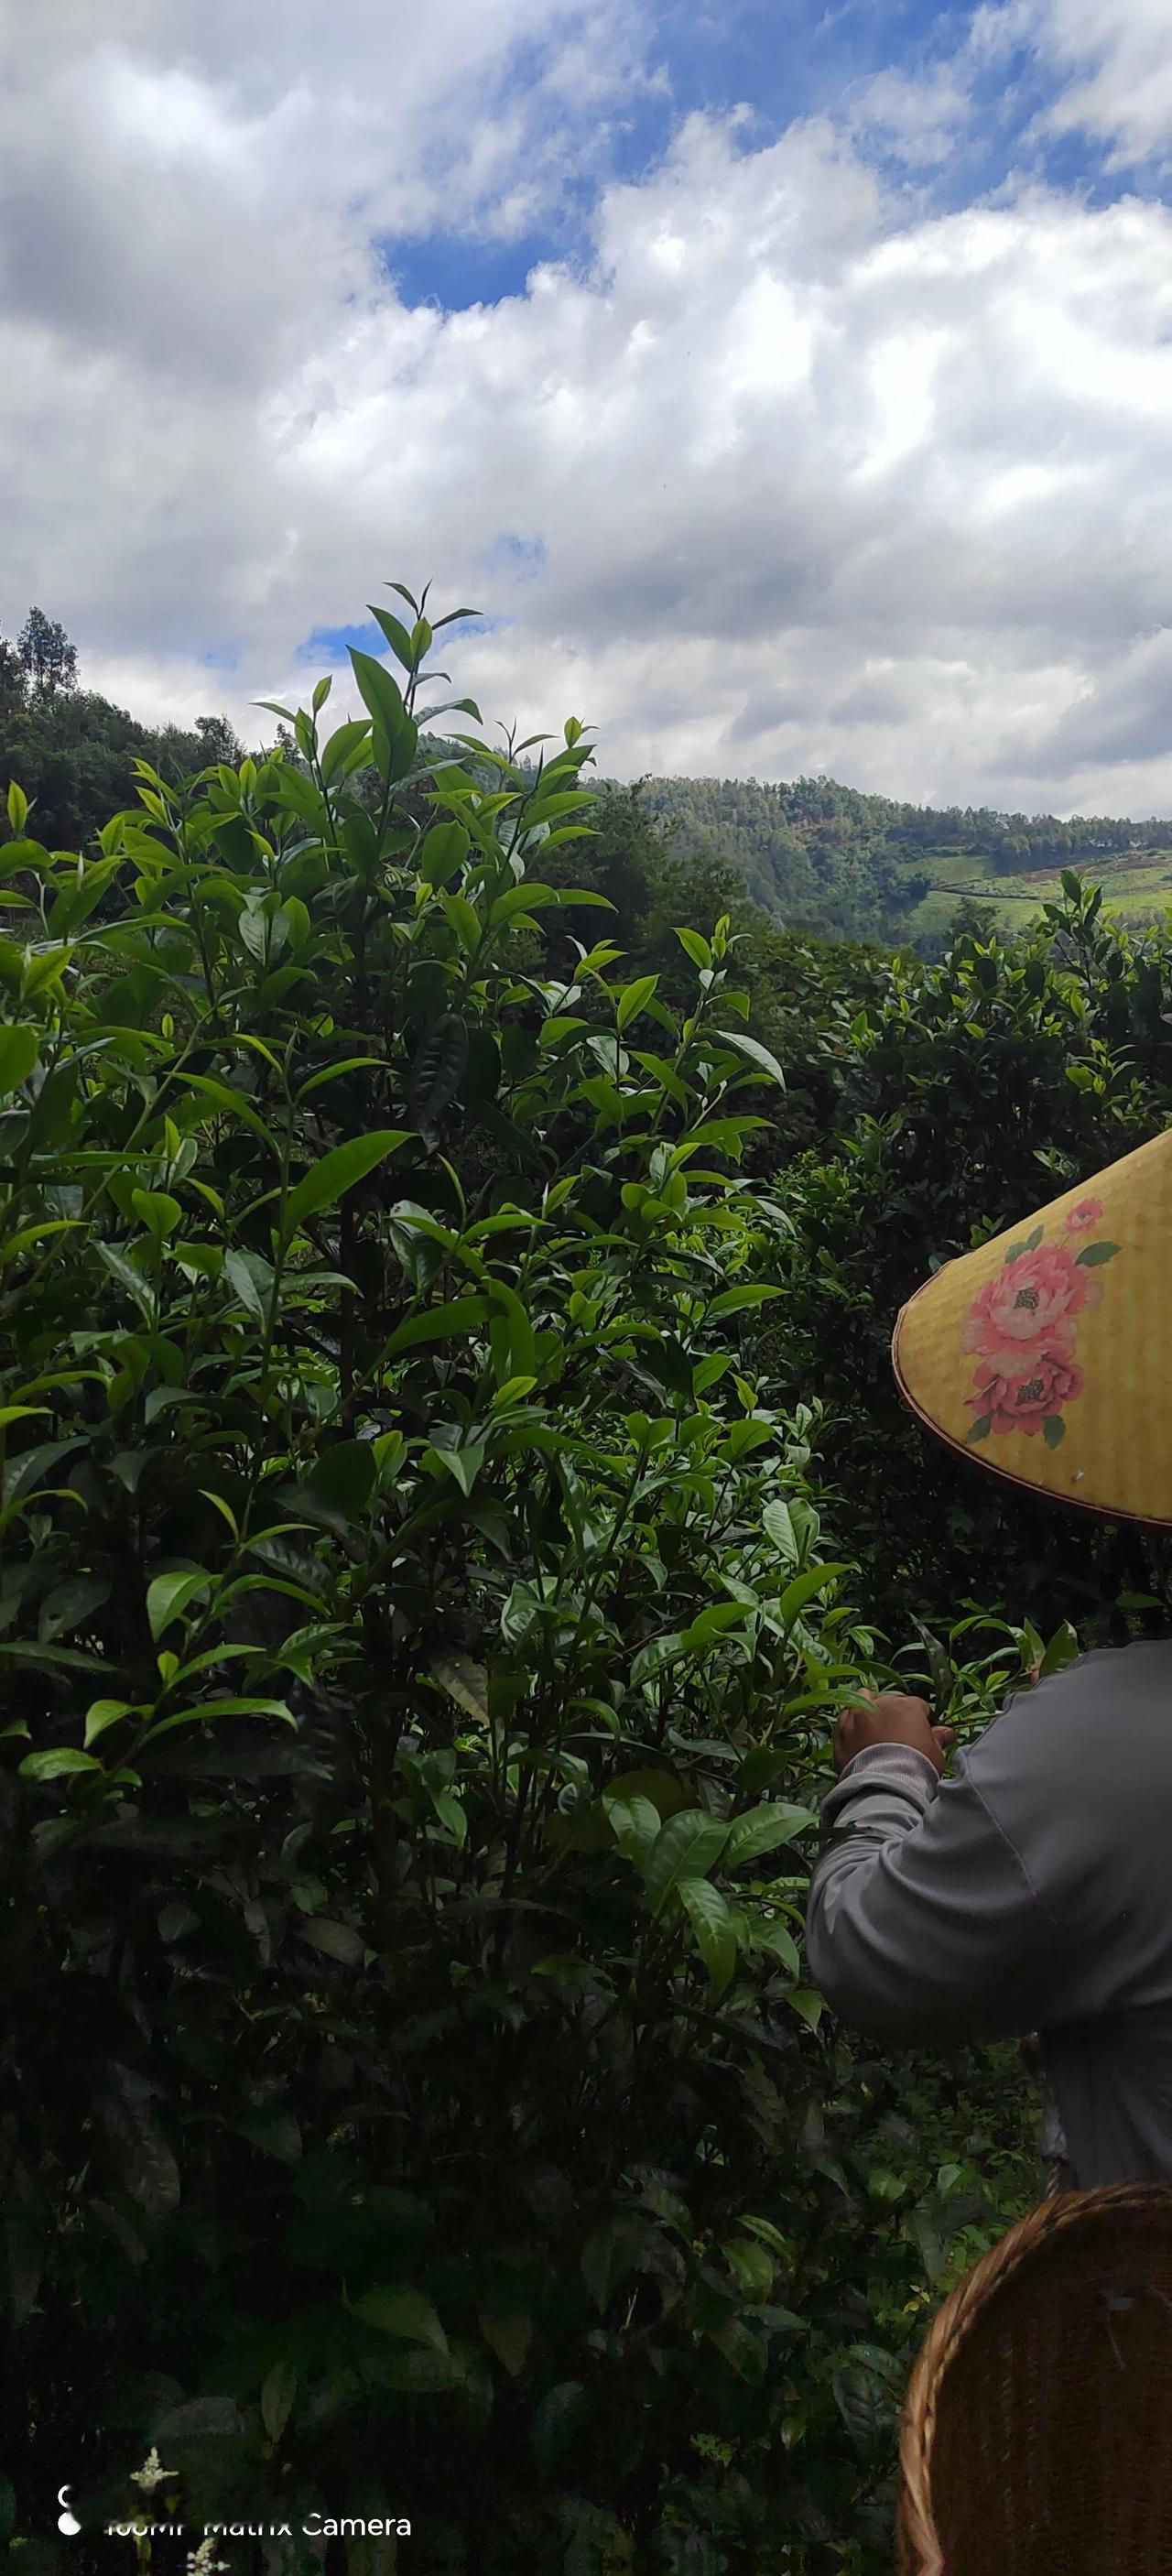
(1021, 1395)
(1023, 1323)
(1029, 1300)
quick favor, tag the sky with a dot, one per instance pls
(788, 386)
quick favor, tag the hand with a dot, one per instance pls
(888, 1717)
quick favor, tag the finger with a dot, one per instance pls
(945, 1735)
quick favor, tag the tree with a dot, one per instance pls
(221, 743)
(74, 754)
(12, 682)
(47, 657)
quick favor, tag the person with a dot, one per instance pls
(1030, 1891)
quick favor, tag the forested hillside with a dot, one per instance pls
(830, 859)
(73, 752)
(452, 1474)
(815, 855)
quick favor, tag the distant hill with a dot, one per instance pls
(830, 858)
(813, 854)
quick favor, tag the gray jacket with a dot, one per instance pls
(1030, 1891)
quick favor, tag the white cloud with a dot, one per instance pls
(916, 117)
(823, 479)
(1112, 60)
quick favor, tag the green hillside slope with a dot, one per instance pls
(829, 857)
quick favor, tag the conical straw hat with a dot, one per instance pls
(1046, 1354)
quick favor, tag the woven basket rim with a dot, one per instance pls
(954, 2322)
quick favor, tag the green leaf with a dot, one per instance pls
(275, 2131)
(465, 921)
(519, 1613)
(70, 1604)
(333, 1072)
(223, 1097)
(529, 897)
(157, 1210)
(809, 2005)
(213, 1709)
(252, 1278)
(396, 635)
(339, 1171)
(452, 615)
(695, 946)
(129, 1277)
(713, 1623)
(18, 1054)
(277, 2398)
(461, 1316)
(344, 1476)
(636, 1824)
(380, 693)
(634, 998)
(685, 1847)
(654, 1657)
(451, 1814)
(560, 2414)
(779, 1529)
(445, 849)
(28, 1235)
(52, 1766)
(762, 1830)
(757, 1054)
(168, 1597)
(737, 1301)
(102, 1713)
(509, 2337)
(1053, 1431)
(334, 1940)
(520, 1341)
(464, 1681)
(712, 1924)
(780, 1944)
(803, 1589)
(1062, 1650)
(405, 2313)
(438, 1069)
(463, 1459)
(1097, 1252)
(339, 751)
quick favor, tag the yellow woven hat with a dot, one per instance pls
(1046, 1353)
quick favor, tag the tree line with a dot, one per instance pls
(819, 857)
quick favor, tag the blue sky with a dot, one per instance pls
(788, 385)
(777, 61)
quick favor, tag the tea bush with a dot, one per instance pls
(421, 1607)
(969, 1091)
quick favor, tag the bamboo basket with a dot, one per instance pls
(1037, 2430)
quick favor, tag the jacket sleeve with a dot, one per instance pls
(922, 1924)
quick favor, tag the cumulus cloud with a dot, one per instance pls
(1112, 60)
(782, 468)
